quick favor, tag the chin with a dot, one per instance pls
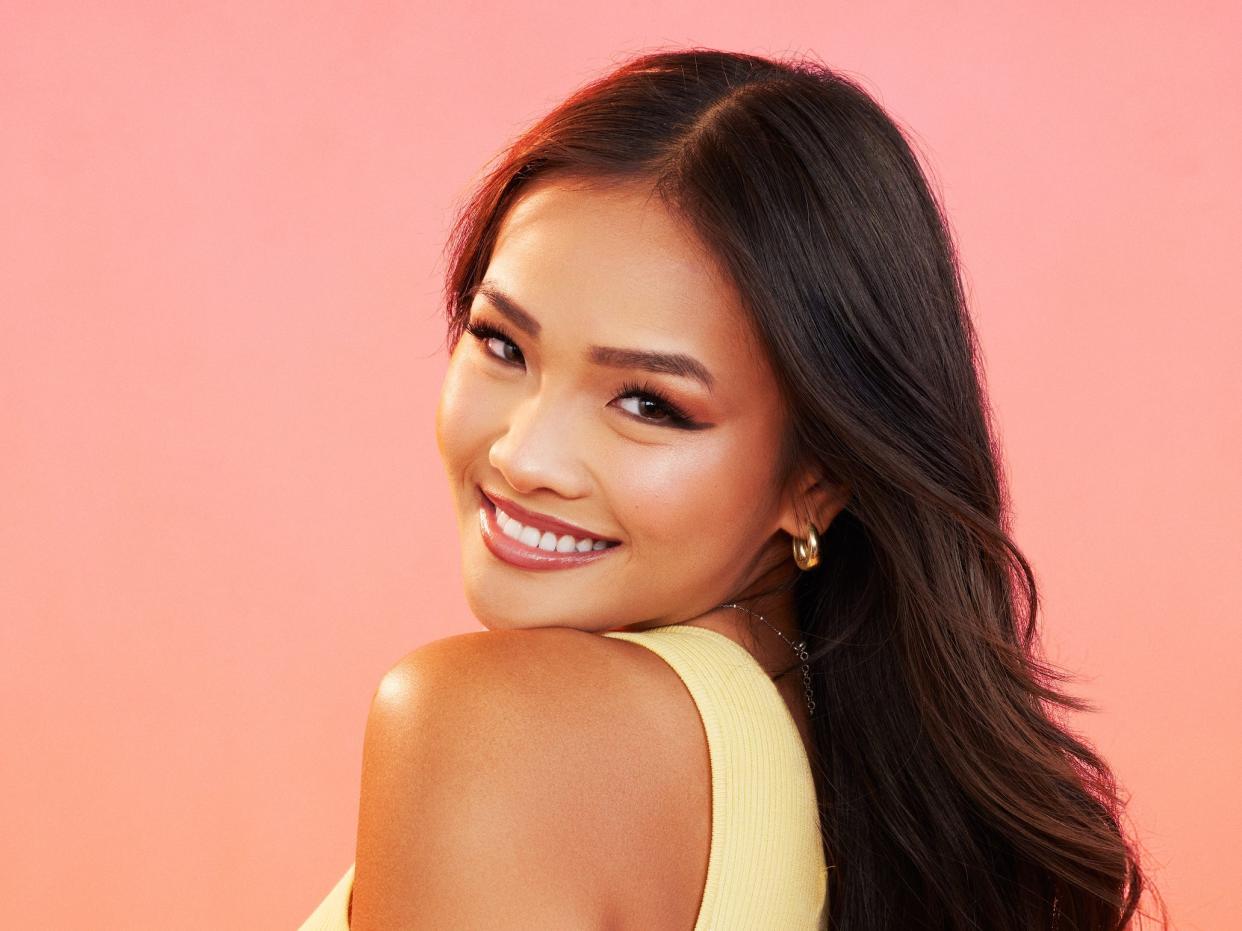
(490, 612)
(493, 616)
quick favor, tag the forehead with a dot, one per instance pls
(610, 264)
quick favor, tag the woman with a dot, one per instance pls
(713, 395)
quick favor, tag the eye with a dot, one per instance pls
(652, 407)
(486, 334)
(653, 401)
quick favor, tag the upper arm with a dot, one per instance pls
(485, 786)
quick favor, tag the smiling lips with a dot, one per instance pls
(530, 541)
(541, 522)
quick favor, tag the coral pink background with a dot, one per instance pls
(222, 515)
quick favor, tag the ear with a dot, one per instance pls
(810, 497)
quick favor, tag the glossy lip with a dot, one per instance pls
(541, 521)
(509, 550)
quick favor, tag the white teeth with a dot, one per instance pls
(545, 539)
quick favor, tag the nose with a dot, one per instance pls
(541, 448)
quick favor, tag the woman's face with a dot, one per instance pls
(533, 411)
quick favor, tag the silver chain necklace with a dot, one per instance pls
(799, 648)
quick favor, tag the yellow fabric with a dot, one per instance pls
(765, 868)
(333, 912)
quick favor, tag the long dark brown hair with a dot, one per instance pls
(952, 793)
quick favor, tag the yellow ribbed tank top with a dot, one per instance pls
(765, 867)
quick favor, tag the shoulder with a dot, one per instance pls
(509, 772)
(497, 659)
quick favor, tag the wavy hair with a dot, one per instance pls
(952, 793)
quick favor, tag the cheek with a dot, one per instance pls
(464, 415)
(709, 494)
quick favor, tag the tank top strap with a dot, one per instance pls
(766, 866)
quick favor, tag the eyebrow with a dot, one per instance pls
(664, 363)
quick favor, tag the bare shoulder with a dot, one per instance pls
(552, 776)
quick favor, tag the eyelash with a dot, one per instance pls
(676, 416)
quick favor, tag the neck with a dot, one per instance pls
(770, 649)
(768, 596)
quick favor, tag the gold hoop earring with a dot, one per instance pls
(806, 552)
